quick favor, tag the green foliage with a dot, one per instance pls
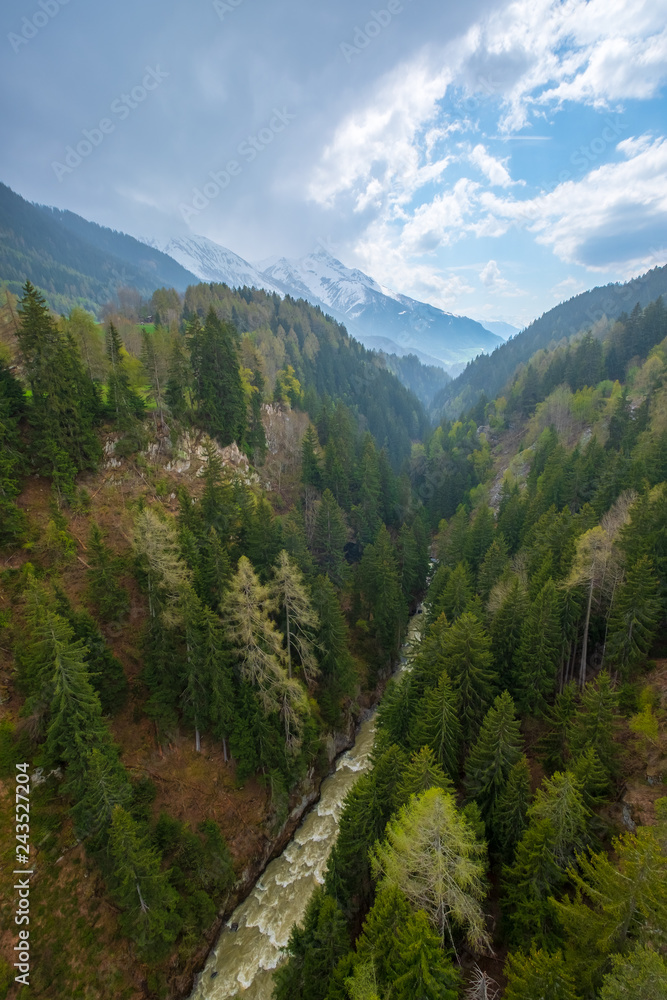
(437, 725)
(422, 855)
(139, 886)
(642, 973)
(111, 600)
(467, 648)
(615, 906)
(539, 974)
(330, 537)
(492, 757)
(539, 652)
(636, 612)
(509, 818)
(314, 951)
(217, 391)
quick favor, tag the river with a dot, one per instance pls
(242, 961)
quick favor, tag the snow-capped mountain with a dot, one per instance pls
(370, 310)
(210, 261)
(377, 316)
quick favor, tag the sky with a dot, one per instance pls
(491, 158)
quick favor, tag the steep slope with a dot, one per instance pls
(489, 373)
(76, 261)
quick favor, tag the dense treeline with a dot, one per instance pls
(260, 630)
(497, 756)
(489, 373)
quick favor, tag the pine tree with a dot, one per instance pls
(539, 974)
(636, 611)
(480, 537)
(105, 785)
(423, 855)
(367, 513)
(539, 652)
(329, 537)
(311, 472)
(263, 539)
(111, 600)
(642, 973)
(301, 621)
(497, 750)
(141, 888)
(509, 818)
(421, 773)
(12, 409)
(493, 566)
(467, 648)
(615, 905)
(154, 363)
(218, 395)
(418, 966)
(506, 633)
(64, 403)
(123, 402)
(594, 722)
(179, 378)
(437, 725)
(560, 801)
(381, 589)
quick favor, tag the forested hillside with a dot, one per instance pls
(73, 261)
(510, 839)
(488, 373)
(213, 529)
(176, 615)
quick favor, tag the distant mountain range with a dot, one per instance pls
(380, 318)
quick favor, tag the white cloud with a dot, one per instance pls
(490, 274)
(494, 170)
(614, 216)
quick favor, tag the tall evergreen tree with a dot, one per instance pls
(509, 817)
(539, 974)
(218, 396)
(123, 402)
(636, 611)
(141, 888)
(301, 621)
(109, 597)
(329, 537)
(64, 403)
(492, 757)
(539, 652)
(468, 651)
(437, 725)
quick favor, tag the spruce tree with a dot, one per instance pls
(311, 472)
(437, 725)
(615, 906)
(380, 585)
(493, 566)
(220, 405)
(506, 633)
(421, 773)
(110, 599)
(64, 403)
(419, 969)
(594, 722)
(468, 652)
(457, 593)
(539, 653)
(377, 942)
(636, 611)
(122, 401)
(329, 538)
(641, 973)
(538, 974)
(139, 886)
(336, 668)
(179, 378)
(497, 750)
(509, 818)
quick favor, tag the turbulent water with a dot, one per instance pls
(242, 961)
